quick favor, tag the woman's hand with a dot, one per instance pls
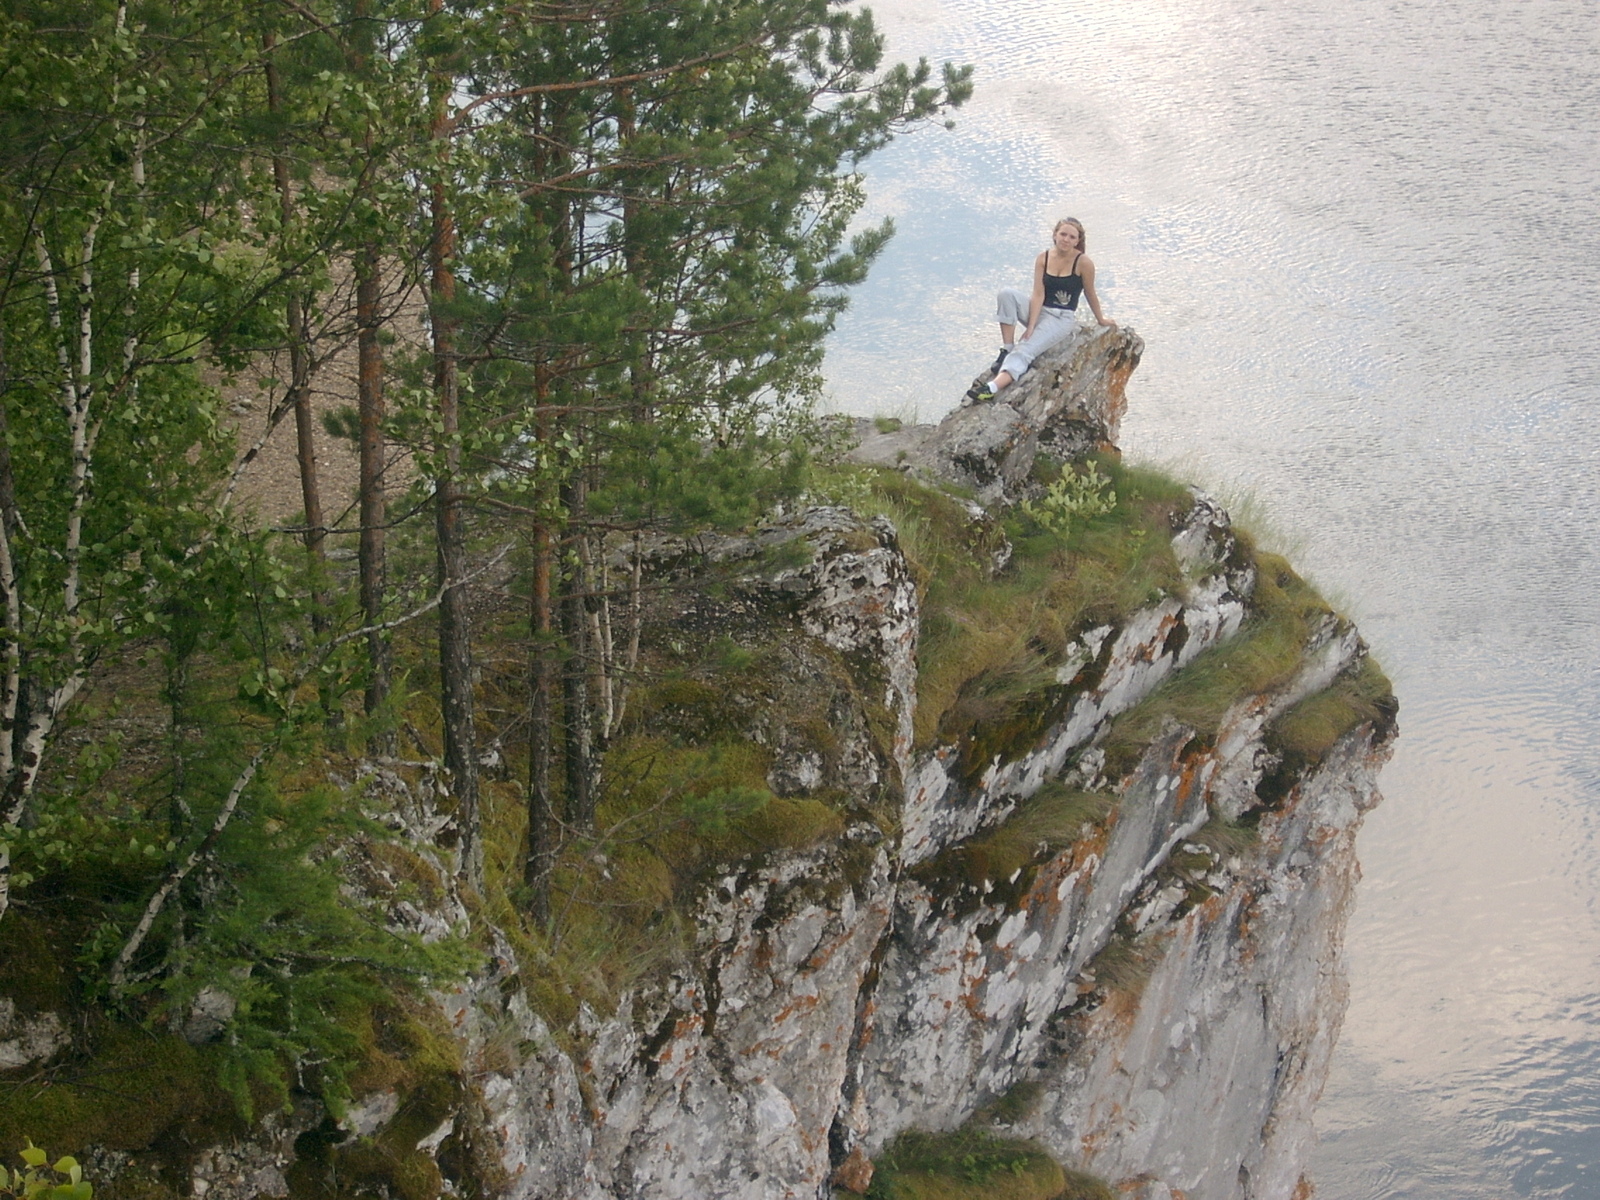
(1108, 322)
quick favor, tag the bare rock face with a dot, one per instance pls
(1069, 404)
(725, 1083)
(1208, 1080)
(26, 1040)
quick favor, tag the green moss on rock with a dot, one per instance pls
(121, 1087)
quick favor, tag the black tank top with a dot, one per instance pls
(1062, 291)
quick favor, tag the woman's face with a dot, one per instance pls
(1066, 237)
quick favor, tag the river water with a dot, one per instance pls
(1361, 239)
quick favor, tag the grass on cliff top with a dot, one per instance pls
(1309, 730)
(991, 640)
(971, 1164)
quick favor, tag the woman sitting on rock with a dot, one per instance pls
(1060, 275)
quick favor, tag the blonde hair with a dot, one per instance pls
(1083, 237)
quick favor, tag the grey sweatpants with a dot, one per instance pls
(1011, 308)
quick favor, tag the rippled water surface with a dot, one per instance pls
(1361, 239)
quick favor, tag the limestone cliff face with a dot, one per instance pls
(1158, 1009)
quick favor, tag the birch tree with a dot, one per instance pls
(121, 218)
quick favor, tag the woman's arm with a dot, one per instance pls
(1086, 269)
(1037, 301)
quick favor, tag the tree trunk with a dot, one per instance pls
(577, 707)
(542, 840)
(299, 331)
(374, 503)
(371, 408)
(455, 648)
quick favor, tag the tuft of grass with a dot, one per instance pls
(1020, 1101)
(973, 1165)
(1055, 817)
(1227, 838)
(887, 424)
(1309, 730)
(1124, 965)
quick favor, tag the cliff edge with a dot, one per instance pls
(1022, 796)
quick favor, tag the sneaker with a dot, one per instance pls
(994, 369)
(980, 393)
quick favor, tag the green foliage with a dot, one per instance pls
(674, 478)
(970, 1164)
(1071, 497)
(40, 1179)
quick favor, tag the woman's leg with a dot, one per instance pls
(1011, 310)
(1052, 327)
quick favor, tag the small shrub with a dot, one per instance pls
(38, 1179)
(1072, 497)
(887, 424)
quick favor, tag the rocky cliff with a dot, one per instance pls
(1091, 894)
(843, 994)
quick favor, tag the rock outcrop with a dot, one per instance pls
(1070, 404)
(1150, 987)
(842, 995)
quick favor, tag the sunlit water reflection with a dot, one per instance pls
(1362, 241)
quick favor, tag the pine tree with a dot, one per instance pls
(685, 181)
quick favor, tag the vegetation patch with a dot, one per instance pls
(120, 1087)
(991, 640)
(1124, 964)
(1019, 1102)
(1005, 859)
(686, 786)
(1309, 730)
(407, 1051)
(970, 1164)
(1227, 839)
